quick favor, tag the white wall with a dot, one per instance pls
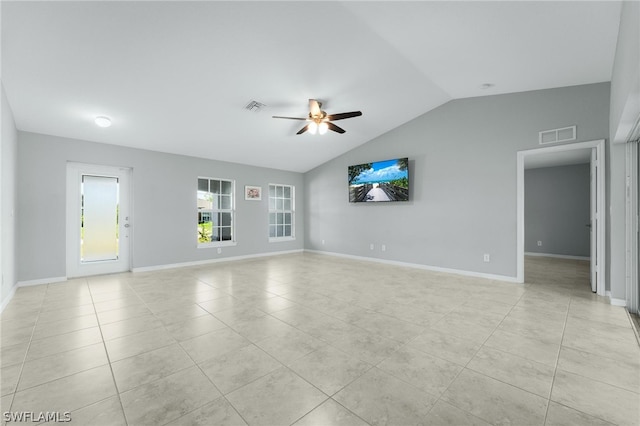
(462, 164)
(164, 204)
(8, 156)
(624, 110)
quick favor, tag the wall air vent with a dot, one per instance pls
(254, 106)
(564, 134)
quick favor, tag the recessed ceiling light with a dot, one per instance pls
(103, 121)
(486, 86)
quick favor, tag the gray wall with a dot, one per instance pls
(164, 204)
(8, 156)
(556, 210)
(463, 180)
(625, 88)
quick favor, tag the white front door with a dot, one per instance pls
(98, 220)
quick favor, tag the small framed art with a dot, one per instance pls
(252, 193)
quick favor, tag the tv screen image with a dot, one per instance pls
(379, 181)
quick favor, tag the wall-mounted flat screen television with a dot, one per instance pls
(379, 181)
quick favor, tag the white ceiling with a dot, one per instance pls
(175, 76)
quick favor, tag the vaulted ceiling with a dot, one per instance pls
(176, 76)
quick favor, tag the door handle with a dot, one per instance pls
(588, 225)
(126, 225)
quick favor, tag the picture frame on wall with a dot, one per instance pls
(253, 193)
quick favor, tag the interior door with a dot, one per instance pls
(594, 221)
(98, 220)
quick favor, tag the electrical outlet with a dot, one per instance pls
(383, 247)
(487, 258)
(371, 246)
(219, 250)
(539, 243)
(322, 242)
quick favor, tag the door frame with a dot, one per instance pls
(73, 201)
(599, 146)
(593, 208)
(632, 239)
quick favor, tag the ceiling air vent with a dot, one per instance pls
(254, 106)
(564, 134)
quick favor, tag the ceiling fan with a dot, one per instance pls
(320, 121)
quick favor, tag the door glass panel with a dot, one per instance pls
(99, 220)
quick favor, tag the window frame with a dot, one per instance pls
(213, 212)
(292, 211)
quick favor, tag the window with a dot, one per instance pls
(281, 212)
(215, 211)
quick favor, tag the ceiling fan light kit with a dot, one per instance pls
(319, 121)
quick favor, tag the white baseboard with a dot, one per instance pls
(41, 281)
(421, 266)
(558, 256)
(613, 301)
(208, 261)
(618, 302)
(12, 293)
(6, 301)
(154, 268)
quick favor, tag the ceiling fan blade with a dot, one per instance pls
(343, 115)
(335, 128)
(304, 129)
(314, 107)
(289, 118)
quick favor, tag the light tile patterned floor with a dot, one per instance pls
(309, 339)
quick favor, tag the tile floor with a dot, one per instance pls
(308, 339)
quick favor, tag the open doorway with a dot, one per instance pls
(557, 221)
(591, 153)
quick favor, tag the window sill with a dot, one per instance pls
(281, 239)
(217, 244)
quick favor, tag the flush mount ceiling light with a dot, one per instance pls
(103, 121)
